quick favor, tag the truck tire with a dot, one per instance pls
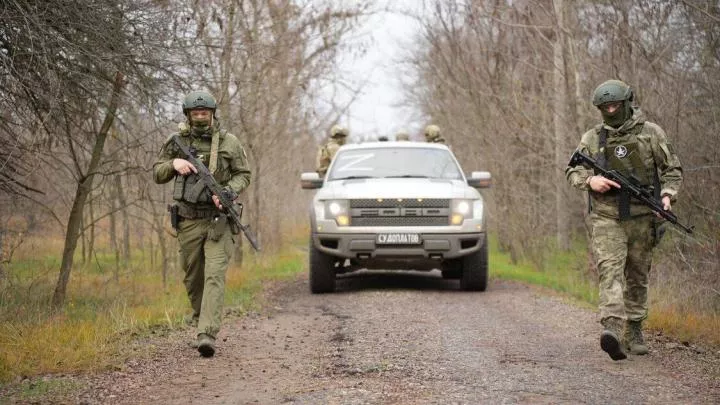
(475, 270)
(322, 271)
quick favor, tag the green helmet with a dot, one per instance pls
(337, 131)
(432, 132)
(198, 99)
(612, 90)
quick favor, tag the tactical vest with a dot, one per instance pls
(622, 154)
(189, 188)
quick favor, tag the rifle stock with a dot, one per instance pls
(229, 207)
(640, 193)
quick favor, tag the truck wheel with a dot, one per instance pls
(475, 270)
(322, 271)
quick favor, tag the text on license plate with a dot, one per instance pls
(398, 239)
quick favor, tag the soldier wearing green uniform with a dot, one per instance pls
(432, 134)
(326, 153)
(205, 236)
(624, 232)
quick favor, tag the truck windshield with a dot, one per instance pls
(395, 162)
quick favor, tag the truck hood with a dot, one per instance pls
(396, 188)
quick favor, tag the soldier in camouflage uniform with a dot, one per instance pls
(432, 134)
(624, 232)
(326, 153)
(205, 236)
(402, 136)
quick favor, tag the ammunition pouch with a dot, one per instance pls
(190, 189)
(218, 227)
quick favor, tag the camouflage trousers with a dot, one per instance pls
(205, 262)
(623, 253)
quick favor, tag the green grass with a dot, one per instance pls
(565, 272)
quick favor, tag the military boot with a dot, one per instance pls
(206, 345)
(610, 338)
(634, 341)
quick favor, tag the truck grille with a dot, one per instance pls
(399, 212)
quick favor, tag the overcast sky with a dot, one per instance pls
(388, 36)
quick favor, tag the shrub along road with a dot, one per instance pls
(410, 339)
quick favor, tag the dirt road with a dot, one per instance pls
(412, 339)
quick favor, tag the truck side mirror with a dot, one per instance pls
(479, 180)
(310, 180)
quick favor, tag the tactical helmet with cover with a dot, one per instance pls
(198, 99)
(338, 132)
(432, 132)
(610, 92)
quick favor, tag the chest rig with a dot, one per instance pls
(623, 154)
(190, 189)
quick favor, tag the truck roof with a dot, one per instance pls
(393, 144)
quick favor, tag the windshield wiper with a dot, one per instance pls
(352, 178)
(408, 176)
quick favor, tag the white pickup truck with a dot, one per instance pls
(397, 206)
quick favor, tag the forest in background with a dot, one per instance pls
(92, 89)
(510, 83)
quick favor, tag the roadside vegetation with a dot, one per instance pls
(103, 313)
(673, 310)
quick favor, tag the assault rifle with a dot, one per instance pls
(630, 186)
(225, 196)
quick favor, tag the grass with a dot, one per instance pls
(101, 313)
(567, 272)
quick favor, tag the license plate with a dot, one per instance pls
(398, 239)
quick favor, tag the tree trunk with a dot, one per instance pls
(91, 227)
(113, 231)
(560, 119)
(123, 206)
(81, 194)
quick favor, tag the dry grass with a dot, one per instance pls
(688, 327)
(101, 314)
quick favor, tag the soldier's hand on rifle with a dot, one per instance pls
(216, 200)
(600, 184)
(183, 167)
(666, 205)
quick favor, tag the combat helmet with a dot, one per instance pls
(611, 91)
(338, 132)
(614, 91)
(198, 99)
(432, 133)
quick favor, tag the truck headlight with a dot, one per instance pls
(339, 210)
(461, 210)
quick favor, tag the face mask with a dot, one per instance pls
(617, 117)
(201, 127)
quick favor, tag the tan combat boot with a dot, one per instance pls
(610, 338)
(634, 341)
(206, 345)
